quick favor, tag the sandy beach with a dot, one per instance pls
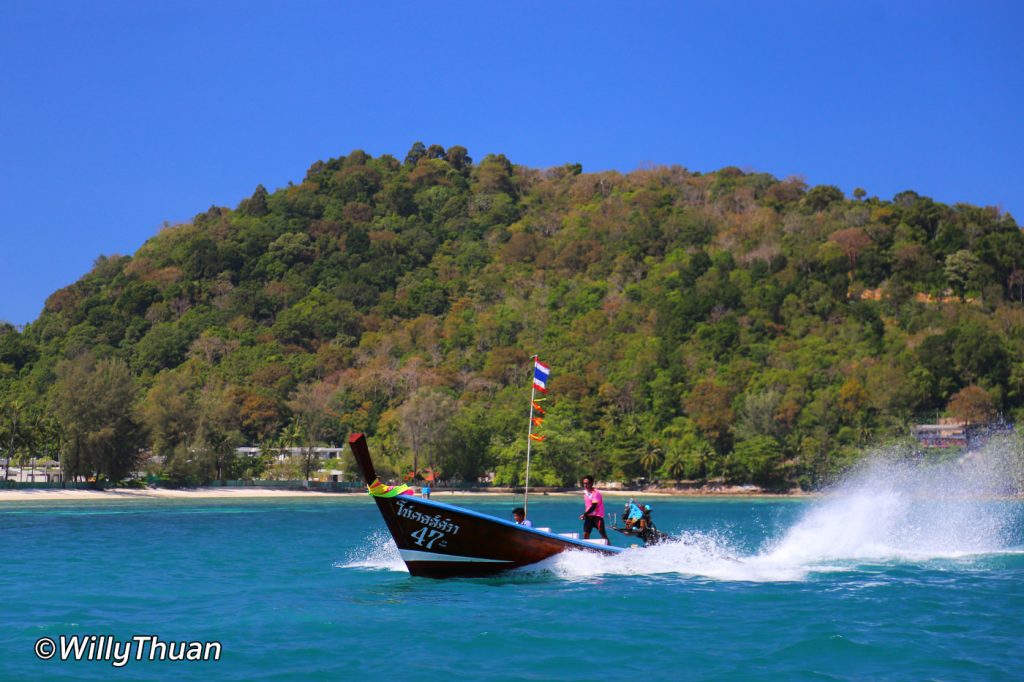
(51, 494)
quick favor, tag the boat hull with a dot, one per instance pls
(438, 540)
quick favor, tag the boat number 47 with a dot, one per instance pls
(426, 537)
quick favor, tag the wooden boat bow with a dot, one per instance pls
(438, 540)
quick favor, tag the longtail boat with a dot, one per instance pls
(438, 540)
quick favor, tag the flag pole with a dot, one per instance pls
(529, 439)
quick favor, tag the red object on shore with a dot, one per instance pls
(438, 540)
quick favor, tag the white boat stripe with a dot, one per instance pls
(416, 555)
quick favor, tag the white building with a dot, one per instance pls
(281, 454)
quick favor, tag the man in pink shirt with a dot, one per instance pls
(593, 516)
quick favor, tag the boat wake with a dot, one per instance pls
(692, 554)
(890, 511)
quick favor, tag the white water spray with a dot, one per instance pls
(890, 509)
(378, 552)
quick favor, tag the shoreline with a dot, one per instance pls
(255, 492)
(52, 494)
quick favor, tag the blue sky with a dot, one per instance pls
(118, 116)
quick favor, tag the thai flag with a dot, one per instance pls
(540, 376)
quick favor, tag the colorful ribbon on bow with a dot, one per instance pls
(378, 489)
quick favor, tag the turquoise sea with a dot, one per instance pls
(862, 585)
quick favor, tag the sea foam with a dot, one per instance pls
(893, 508)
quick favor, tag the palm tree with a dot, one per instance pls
(650, 458)
(292, 436)
(15, 408)
(222, 447)
(50, 435)
(675, 465)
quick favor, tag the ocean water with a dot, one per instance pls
(876, 581)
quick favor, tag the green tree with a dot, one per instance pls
(416, 152)
(315, 408)
(687, 453)
(218, 433)
(94, 402)
(960, 270)
(169, 412)
(423, 421)
(758, 460)
(465, 454)
(709, 404)
(459, 159)
(256, 205)
(756, 415)
(821, 197)
(651, 458)
(12, 412)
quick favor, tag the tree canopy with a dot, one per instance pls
(723, 325)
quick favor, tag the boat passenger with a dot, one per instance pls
(645, 520)
(593, 516)
(649, 533)
(519, 516)
(632, 514)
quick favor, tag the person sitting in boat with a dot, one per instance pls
(632, 514)
(519, 516)
(649, 533)
(645, 519)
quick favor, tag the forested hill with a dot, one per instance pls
(697, 325)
